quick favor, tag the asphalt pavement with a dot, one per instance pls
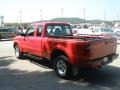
(25, 74)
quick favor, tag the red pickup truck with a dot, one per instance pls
(55, 42)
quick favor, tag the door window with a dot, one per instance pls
(30, 31)
(39, 30)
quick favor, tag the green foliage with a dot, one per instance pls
(78, 20)
(15, 25)
(70, 20)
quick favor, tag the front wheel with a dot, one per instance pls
(18, 54)
(62, 68)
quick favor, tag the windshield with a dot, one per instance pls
(58, 30)
(107, 30)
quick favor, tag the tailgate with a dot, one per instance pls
(103, 48)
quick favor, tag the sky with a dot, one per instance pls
(32, 10)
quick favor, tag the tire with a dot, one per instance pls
(18, 54)
(62, 68)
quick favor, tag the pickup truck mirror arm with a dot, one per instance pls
(22, 34)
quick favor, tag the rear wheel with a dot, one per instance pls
(18, 54)
(62, 68)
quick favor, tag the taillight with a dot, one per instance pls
(88, 50)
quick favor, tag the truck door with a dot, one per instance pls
(28, 39)
(37, 41)
(47, 42)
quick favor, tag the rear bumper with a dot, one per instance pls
(103, 60)
(88, 62)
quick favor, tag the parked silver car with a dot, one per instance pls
(6, 33)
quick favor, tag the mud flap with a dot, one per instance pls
(75, 71)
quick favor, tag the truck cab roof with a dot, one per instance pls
(44, 23)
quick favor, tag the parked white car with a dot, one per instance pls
(104, 31)
(109, 32)
(117, 33)
(82, 32)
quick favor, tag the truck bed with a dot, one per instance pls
(101, 45)
(85, 38)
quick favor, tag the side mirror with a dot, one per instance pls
(22, 34)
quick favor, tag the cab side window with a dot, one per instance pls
(30, 31)
(39, 30)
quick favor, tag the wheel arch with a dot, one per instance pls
(58, 52)
(15, 43)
